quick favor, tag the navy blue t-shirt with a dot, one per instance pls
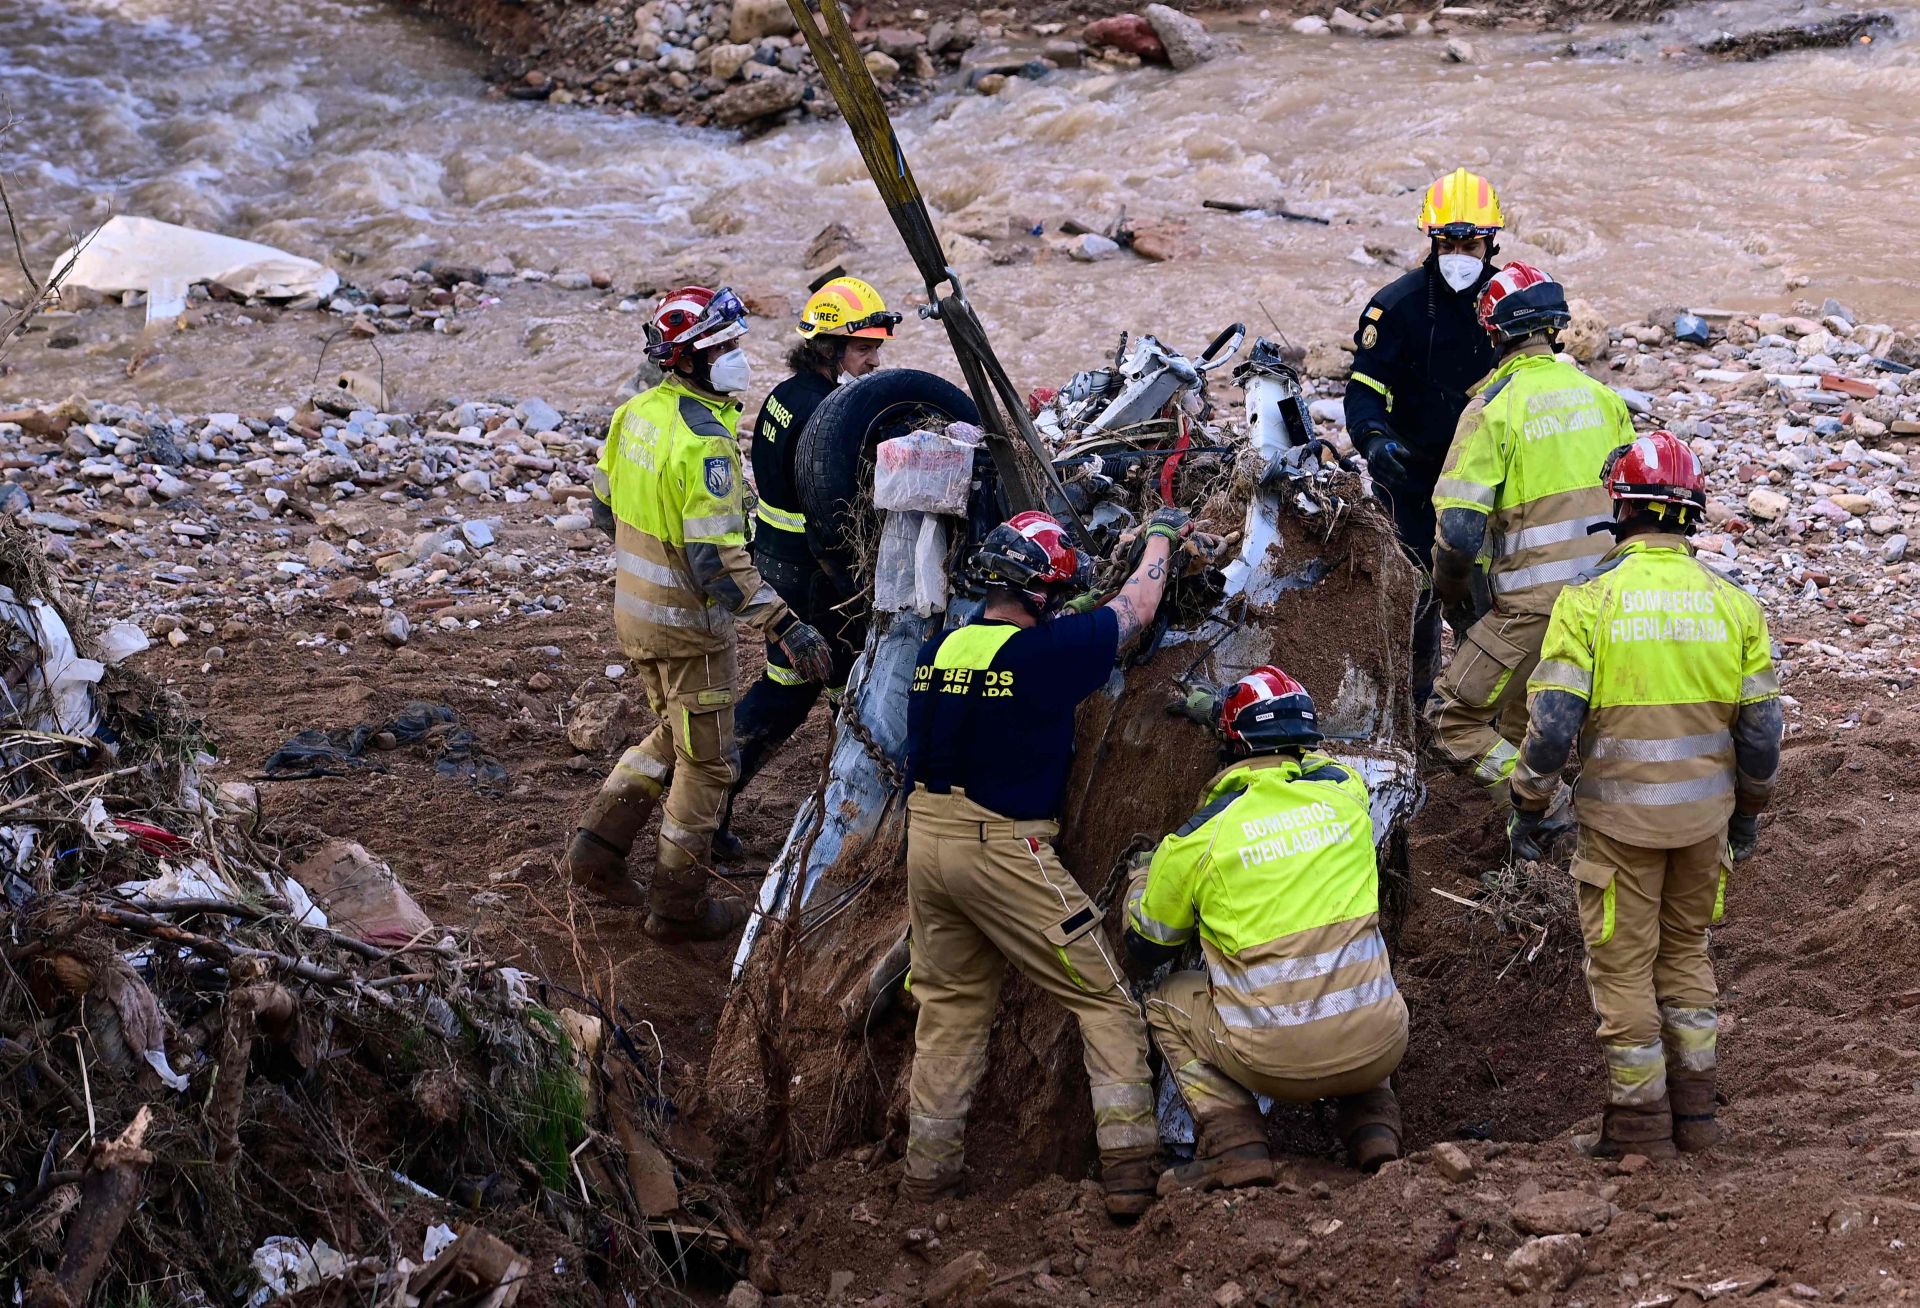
(992, 704)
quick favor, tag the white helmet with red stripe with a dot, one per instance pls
(1031, 555)
(1268, 710)
(1657, 471)
(693, 318)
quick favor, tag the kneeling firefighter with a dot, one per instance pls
(841, 330)
(1277, 874)
(990, 722)
(1662, 670)
(668, 490)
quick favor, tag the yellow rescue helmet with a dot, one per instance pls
(1460, 206)
(847, 306)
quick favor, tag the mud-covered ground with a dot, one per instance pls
(1819, 1185)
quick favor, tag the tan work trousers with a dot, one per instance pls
(1478, 711)
(984, 892)
(1214, 1078)
(689, 754)
(1645, 914)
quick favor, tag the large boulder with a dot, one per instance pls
(768, 95)
(755, 19)
(1184, 36)
(1586, 337)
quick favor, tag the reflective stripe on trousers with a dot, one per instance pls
(1636, 1074)
(1691, 1037)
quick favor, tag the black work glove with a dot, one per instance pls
(1386, 457)
(1743, 835)
(1528, 834)
(603, 517)
(1462, 615)
(807, 650)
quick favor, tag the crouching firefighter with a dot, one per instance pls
(1660, 668)
(668, 491)
(1520, 486)
(1276, 873)
(842, 330)
(989, 741)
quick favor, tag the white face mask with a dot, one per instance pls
(731, 373)
(846, 377)
(1460, 271)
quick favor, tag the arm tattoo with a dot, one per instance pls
(1157, 569)
(1128, 617)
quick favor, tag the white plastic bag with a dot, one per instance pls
(926, 472)
(893, 565)
(910, 574)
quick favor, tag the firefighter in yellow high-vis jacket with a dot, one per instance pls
(1661, 670)
(1277, 875)
(668, 490)
(1520, 489)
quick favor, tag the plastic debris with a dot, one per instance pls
(128, 253)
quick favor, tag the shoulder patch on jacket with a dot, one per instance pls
(700, 420)
(1213, 809)
(718, 471)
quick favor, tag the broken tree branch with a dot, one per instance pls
(108, 1192)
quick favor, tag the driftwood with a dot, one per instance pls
(108, 1191)
(1269, 207)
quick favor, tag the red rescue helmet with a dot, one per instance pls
(1520, 300)
(1656, 471)
(693, 318)
(1268, 710)
(1030, 554)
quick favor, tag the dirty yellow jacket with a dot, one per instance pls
(670, 471)
(1277, 874)
(1528, 453)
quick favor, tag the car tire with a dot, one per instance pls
(833, 463)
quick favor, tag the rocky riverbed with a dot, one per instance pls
(204, 525)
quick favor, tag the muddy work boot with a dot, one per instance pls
(1130, 1178)
(1230, 1152)
(1230, 1169)
(932, 1189)
(1692, 1097)
(596, 858)
(1369, 1124)
(727, 848)
(1644, 1129)
(600, 868)
(713, 919)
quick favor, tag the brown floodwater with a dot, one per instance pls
(357, 133)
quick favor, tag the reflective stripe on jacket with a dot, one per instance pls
(1528, 453)
(1277, 873)
(670, 471)
(1664, 651)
